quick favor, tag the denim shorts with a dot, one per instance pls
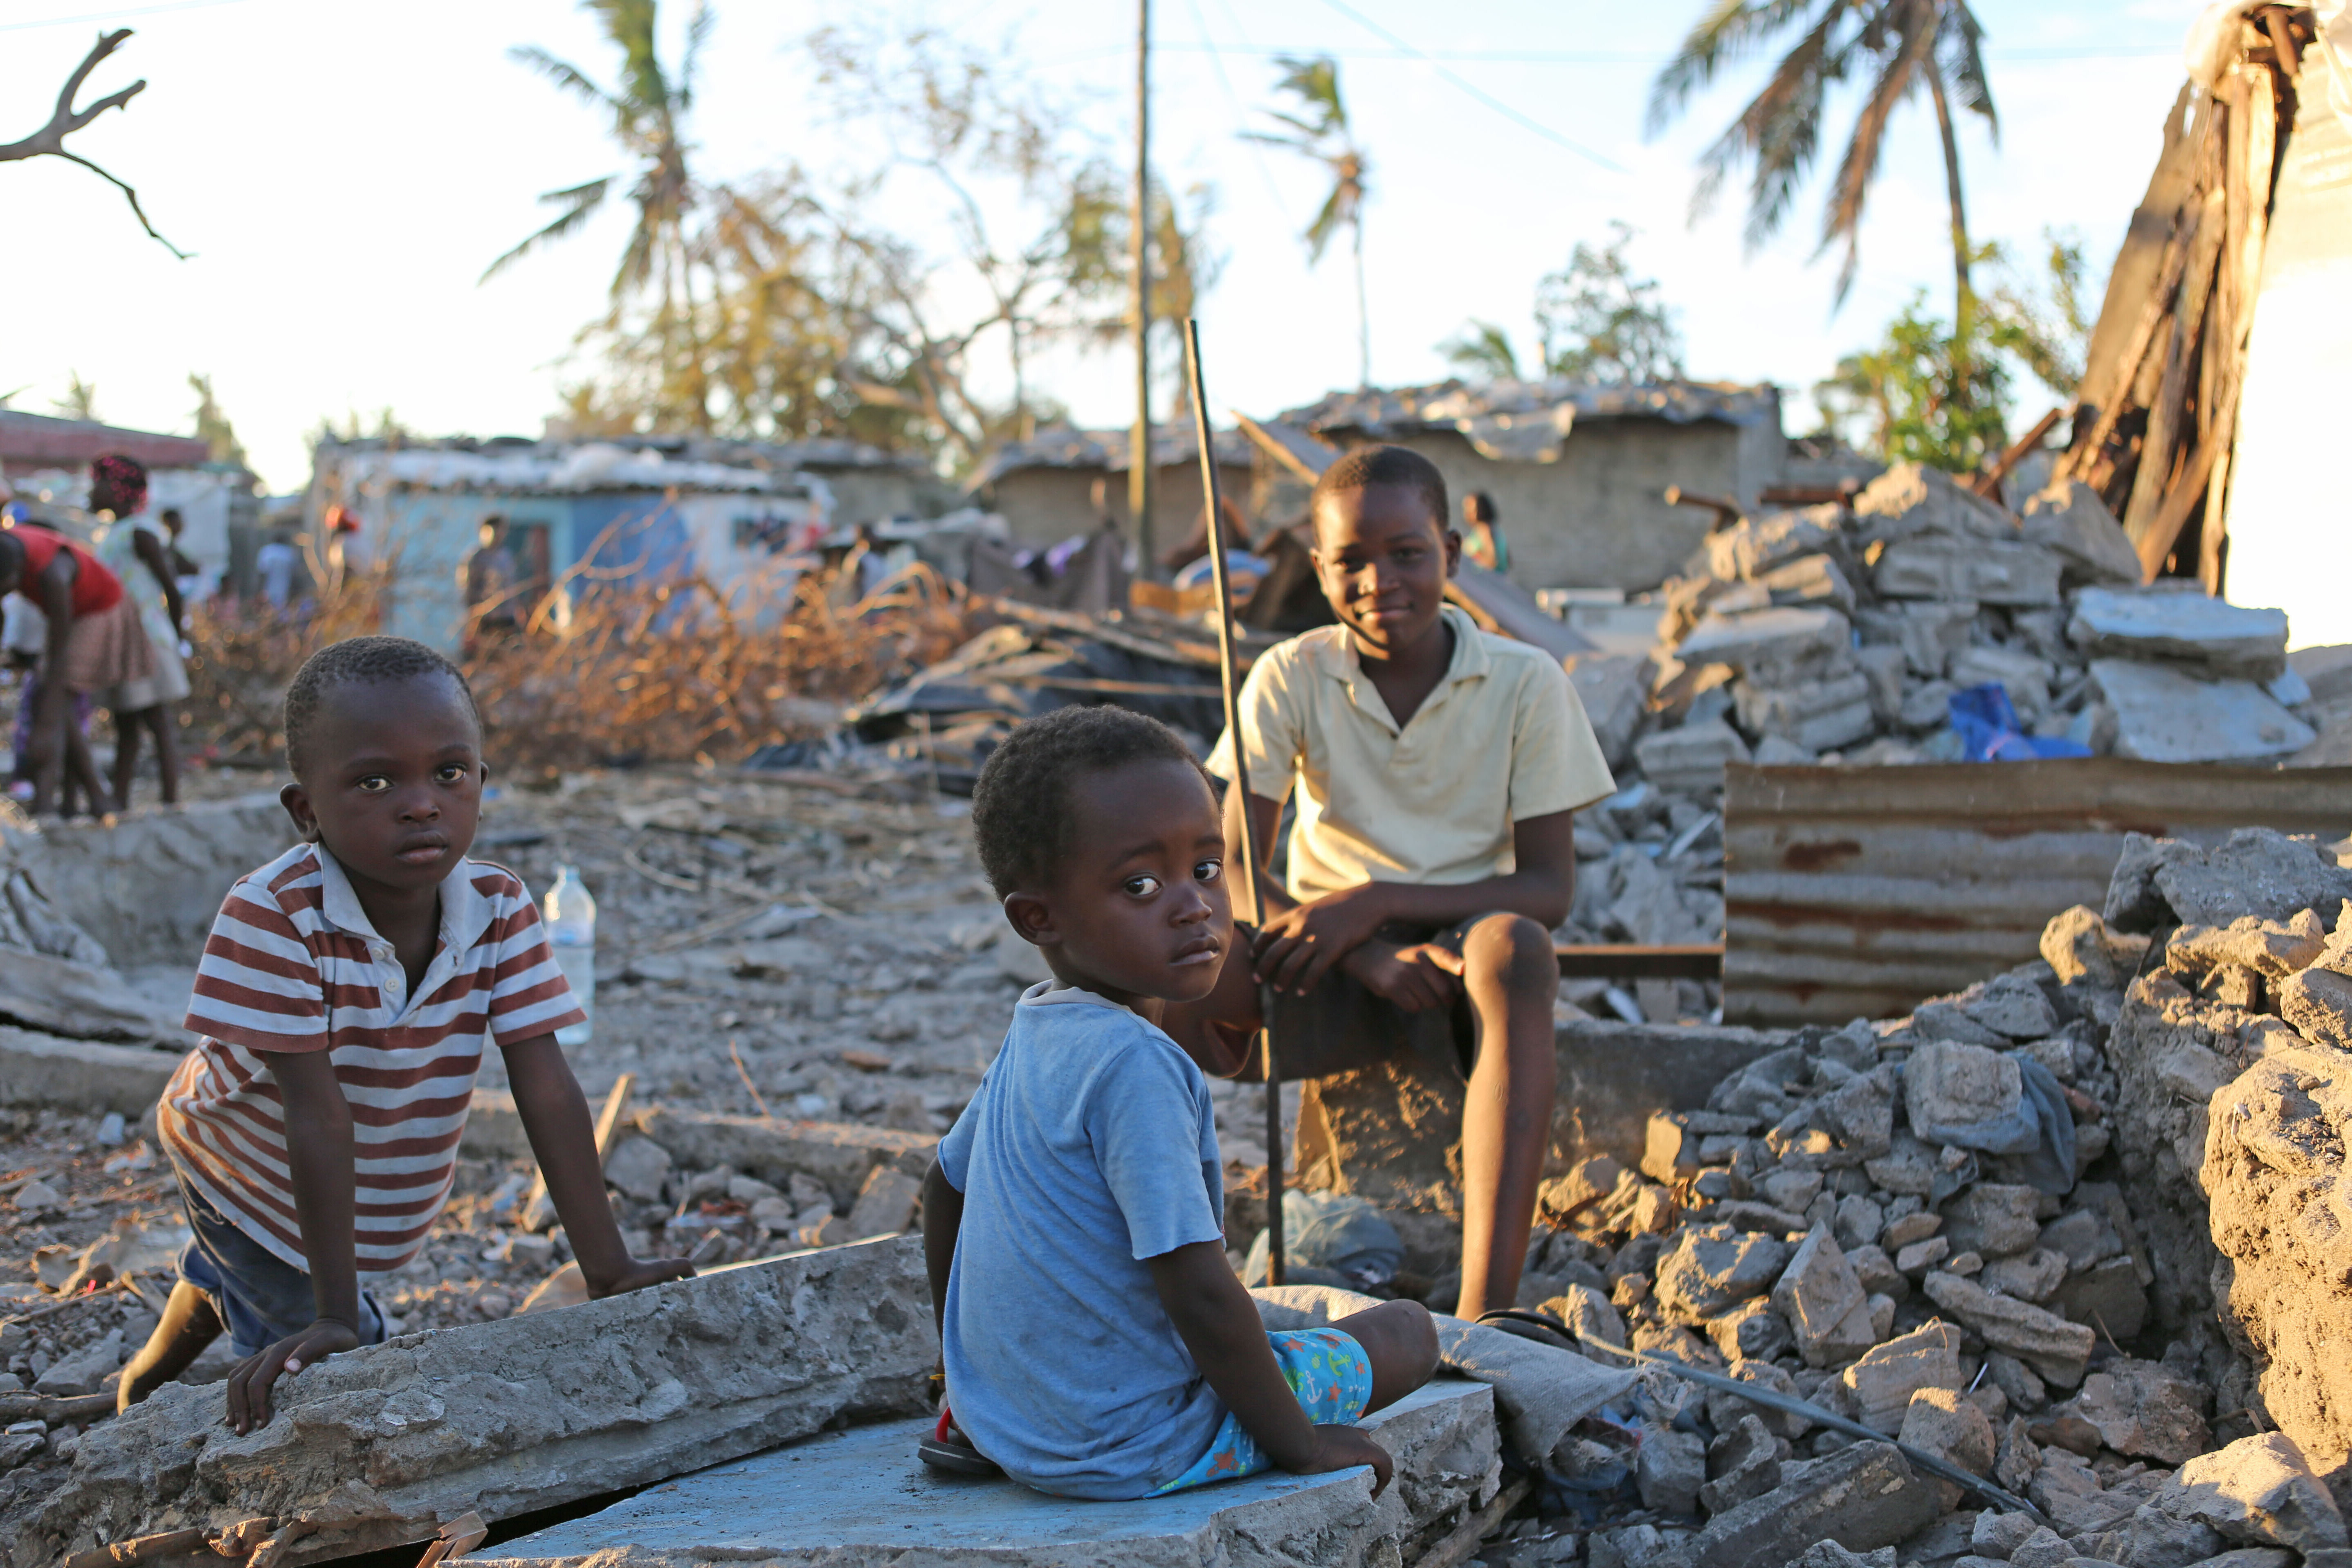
(1332, 1378)
(259, 1296)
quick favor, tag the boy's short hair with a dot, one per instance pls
(1368, 466)
(1020, 806)
(358, 661)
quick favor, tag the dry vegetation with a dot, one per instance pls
(672, 671)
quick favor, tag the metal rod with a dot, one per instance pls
(1229, 676)
(1138, 472)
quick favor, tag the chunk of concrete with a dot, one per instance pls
(2107, 1296)
(2025, 676)
(1809, 580)
(1692, 757)
(2260, 1490)
(2083, 949)
(2057, 1350)
(60, 996)
(1817, 715)
(2033, 1277)
(2318, 1003)
(82, 1075)
(1990, 572)
(2164, 715)
(1670, 1148)
(1972, 1096)
(2011, 1006)
(861, 1497)
(2157, 622)
(1709, 1268)
(1747, 1463)
(1824, 1304)
(1880, 1385)
(1863, 1498)
(82, 1372)
(1598, 1329)
(1912, 499)
(2255, 871)
(2069, 519)
(1754, 546)
(839, 1154)
(2273, 948)
(1669, 1469)
(380, 1446)
(1945, 1423)
(886, 1203)
(147, 885)
(639, 1167)
(1772, 638)
(1614, 690)
(1993, 1219)
(2145, 1410)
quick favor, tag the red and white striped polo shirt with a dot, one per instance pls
(294, 965)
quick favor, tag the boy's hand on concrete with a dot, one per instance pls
(1340, 1448)
(248, 1383)
(1414, 978)
(1296, 948)
(640, 1273)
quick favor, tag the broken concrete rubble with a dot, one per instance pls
(382, 1446)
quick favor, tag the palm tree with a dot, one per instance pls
(1906, 44)
(1320, 132)
(649, 110)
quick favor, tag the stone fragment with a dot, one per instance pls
(2260, 1490)
(1994, 1219)
(1670, 1150)
(2044, 1548)
(2019, 1458)
(1912, 499)
(2145, 1410)
(1943, 1020)
(1877, 1273)
(1745, 1462)
(1753, 547)
(886, 1203)
(1709, 1266)
(2269, 1557)
(1988, 571)
(1586, 1182)
(2110, 1296)
(1863, 1498)
(82, 1372)
(2035, 1277)
(1670, 1468)
(519, 1414)
(1997, 1534)
(2084, 1236)
(1921, 1255)
(2069, 519)
(1724, 1409)
(2318, 1003)
(1829, 1555)
(1690, 758)
(2083, 949)
(2162, 624)
(1944, 1423)
(2164, 715)
(1614, 692)
(1825, 1306)
(1966, 1265)
(2057, 1350)
(2066, 1490)
(1595, 1323)
(2010, 1006)
(1880, 1385)
(638, 1167)
(1967, 1096)
(2273, 948)
(1771, 638)
(1920, 1226)
(1809, 580)
(1751, 1330)
(1792, 1190)
(1817, 715)
(2024, 677)
(2016, 1381)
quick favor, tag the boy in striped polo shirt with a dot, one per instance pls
(344, 997)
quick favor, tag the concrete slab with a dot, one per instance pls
(89, 1077)
(148, 886)
(862, 1496)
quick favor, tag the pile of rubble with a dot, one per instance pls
(2076, 1230)
(1843, 634)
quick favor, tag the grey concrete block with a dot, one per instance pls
(148, 886)
(43, 1070)
(2163, 715)
(860, 1497)
(1862, 1498)
(839, 1154)
(380, 1446)
(1611, 1075)
(2144, 623)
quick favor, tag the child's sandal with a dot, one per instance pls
(947, 1449)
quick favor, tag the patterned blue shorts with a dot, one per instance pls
(1328, 1371)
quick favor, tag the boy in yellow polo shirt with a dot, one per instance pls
(1437, 768)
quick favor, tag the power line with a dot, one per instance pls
(1481, 94)
(112, 16)
(1240, 114)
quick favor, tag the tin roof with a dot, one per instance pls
(36, 439)
(1068, 446)
(1526, 421)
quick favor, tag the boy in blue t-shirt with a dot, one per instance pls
(1097, 1343)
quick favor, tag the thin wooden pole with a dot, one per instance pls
(1229, 674)
(1138, 473)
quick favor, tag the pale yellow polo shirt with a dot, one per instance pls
(1502, 738)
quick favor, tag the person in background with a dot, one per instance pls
(487, 581)
(25, 635)
(135, 548)
(340, 526)
(276, 562)
(1482, 532)
(93, 645)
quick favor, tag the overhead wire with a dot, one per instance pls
(1241, 115)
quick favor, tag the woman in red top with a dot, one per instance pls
(94, 643)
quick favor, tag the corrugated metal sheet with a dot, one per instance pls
(1862, 891)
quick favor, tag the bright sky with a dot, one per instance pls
(343, 172)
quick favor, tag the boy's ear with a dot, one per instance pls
(1452, 538)
(297, 802)
(1032, 919)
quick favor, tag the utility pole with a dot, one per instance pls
(1139, 474)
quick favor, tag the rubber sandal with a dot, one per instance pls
(1540, 1326)
(947, 1449)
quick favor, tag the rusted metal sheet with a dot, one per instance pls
(1859, 893)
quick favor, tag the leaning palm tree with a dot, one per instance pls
(1905, 45)
(647, 111)
(1320, 132)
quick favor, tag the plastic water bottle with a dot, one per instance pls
(571, 911)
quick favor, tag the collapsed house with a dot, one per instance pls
(1064, 482)
(45, 462)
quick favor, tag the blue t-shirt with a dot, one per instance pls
(1089, 1148)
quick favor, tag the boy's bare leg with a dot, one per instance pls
(189, 1324)
(1400, 1341)
(1511, 975)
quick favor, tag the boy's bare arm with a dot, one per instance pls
(318, 1153)
(563, 1139)
(942, 1218)
(1218, 1323)
(1299, 944)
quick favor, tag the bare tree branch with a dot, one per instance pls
(50, 141)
